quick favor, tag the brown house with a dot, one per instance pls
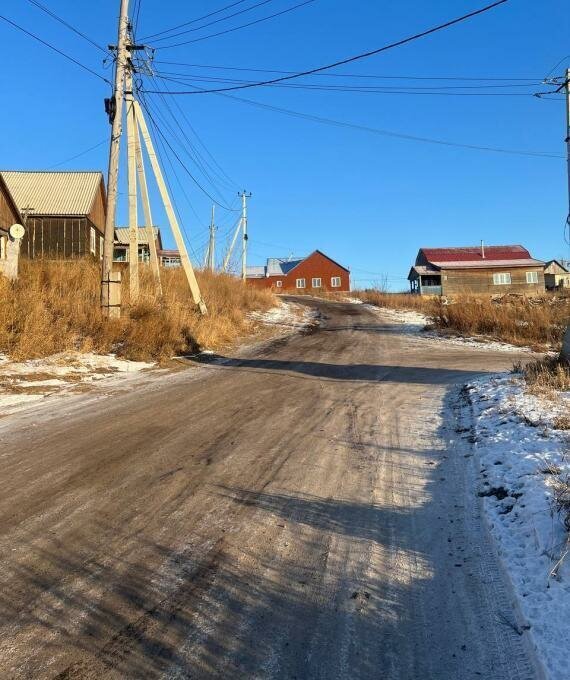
(315, 273)
(483, 269)
(166, 258)
(63, 212)
(9, 246)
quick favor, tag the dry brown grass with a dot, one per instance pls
(546, 377)
(517, 320)
(54, 307)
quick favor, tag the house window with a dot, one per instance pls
(502, 279)
(335, 281)
(92, 240)
(300, 283)
(101, 247)
(532, 277)
(316, 283)
(3, 253)
(279, 284)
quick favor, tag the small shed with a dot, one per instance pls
(556, 275)
(63, 212)
(121, 245)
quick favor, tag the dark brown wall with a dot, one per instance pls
(8, 215)
(481, 281)
(97, 214)
(59, 237)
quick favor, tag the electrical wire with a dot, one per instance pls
(347, 75)
(389, 133)
(237, 28)
(55, 49)
(193, 21)
(364, 55)
(216, 21)
(184, 166)
(82, 153)
(53, 15)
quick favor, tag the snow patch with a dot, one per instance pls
(520, 455)
(24, 382)
(287, 314)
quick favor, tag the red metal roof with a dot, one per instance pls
(474, 254)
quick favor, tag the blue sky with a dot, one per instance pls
(368, 200)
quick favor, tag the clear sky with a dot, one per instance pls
(368, 200)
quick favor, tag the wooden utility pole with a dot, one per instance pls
(132, 187)
(231, 248)
(244, 196)
(149, 227)
(185, 259)
(565, 354)
(115, 109)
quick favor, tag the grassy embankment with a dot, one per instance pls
(54, 307)
(521, 321)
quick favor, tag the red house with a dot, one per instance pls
(314, 273)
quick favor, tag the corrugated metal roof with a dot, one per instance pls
(475, 254)
(489, 263)
(255, 272)
(122, 235)
(277, 266)
(53, 193)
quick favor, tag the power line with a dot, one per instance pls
(193, 21)
(216, 21)
(55, 49)
(348, 75)
(358, 57)
(389, 133)
(251, 23)
(53, 15)
(82, 153)
(184, 166)
(451, 90)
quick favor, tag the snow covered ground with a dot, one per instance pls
(287, 315)
(415, 323)
(23, 382)
(522, 458)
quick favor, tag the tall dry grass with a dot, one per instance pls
(54, 307)
(539, 323)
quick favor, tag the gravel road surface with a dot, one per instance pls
(303, 510)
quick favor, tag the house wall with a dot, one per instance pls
(9, 248)
(98, 210)
(457, 281)
(315, 266)
(60, 237)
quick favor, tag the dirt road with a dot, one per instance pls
(303, 511)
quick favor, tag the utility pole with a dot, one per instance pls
(565, 354)
(212, 243)
(132, 185)
(244, 196)
(115, 110)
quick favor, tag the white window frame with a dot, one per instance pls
(92, 240)
(532, 277)
(101, 246)
(316, 285)
(3, 247)
(336, 282)
(279, 284)
(502, 279)
(300, 283)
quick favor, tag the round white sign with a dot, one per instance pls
(17, 231)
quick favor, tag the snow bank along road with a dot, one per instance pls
(306, 510)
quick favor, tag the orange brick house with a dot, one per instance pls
(312, 274)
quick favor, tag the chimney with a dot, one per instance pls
(482, 249)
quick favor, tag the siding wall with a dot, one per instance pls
(60, 237)
(315, 266)
(481, 281)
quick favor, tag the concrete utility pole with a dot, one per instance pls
(132, 187)
(212, 243)
(244, 196)
(115, 110)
